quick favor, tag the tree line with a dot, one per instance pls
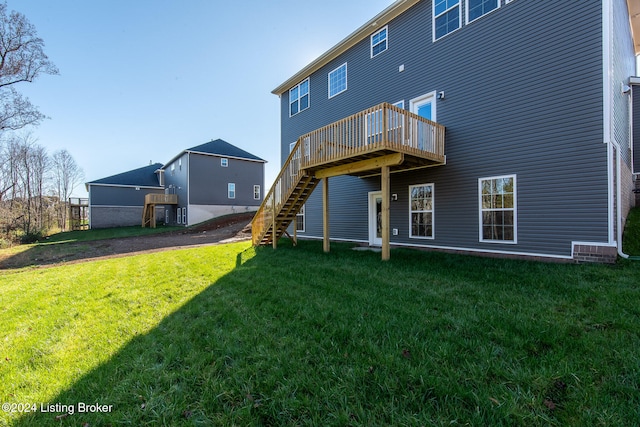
(34, 188)
(34, 185)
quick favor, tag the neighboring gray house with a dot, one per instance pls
(200, 183)
(118, 200)
(479, 126)
(213, 179)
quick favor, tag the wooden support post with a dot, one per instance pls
(325, 214)
(386, 200)
(274, 235)
(295, 230)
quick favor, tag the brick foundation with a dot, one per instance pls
(595, 253)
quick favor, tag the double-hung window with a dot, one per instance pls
(231, 190)
(338, 80)
(477, 8)
(446, 17)
(498, 209)
(256, 192)
(299, 97)
(379, 41)
(421, 211)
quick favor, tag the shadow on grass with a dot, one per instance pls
(285, 339)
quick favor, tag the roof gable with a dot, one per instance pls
(223, 149)
(141, 177)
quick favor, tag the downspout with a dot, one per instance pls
(619, 205)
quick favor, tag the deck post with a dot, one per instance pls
(325, 214)
(386, 200)
(274, 236)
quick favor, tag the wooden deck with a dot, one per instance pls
(378, 140)
(150, 202)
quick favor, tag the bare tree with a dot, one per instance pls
(22, 59)
(66, 176)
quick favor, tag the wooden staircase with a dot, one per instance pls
(150, 202)
(381, 137)
(286, 197)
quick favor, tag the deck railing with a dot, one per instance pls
(160, 199)
(379, 128)
(383, 127)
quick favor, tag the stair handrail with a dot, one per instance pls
(272, 203)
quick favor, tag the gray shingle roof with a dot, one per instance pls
(142, 177)
(224, 149)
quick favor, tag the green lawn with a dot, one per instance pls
(230, 335)
(104, 233)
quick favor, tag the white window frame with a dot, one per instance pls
(224, 162)
(434, 17)
(184, 216)
(299, 98)
(466, 12)
(385, 41)
(256, 192)
(231, 190)
(179, 215)
(173, 169)
(514, 209)
(432, 211)
(301, 215)
(180, 163)
(337, 69)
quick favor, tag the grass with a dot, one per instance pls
(631, 239)
(104, 233)
(231, 335)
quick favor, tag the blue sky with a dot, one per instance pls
(141, 80)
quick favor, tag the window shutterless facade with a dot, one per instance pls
(300, 220)
(446, 17)
(299, 97)
(498, 209)
(231, 190)
(224, 162)
(256, 192)
(421, 211)
(184, 216)
(477, 8)
(379, 41)
(338, 80)
(179, 216)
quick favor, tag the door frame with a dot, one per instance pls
(372, 218)
(417, 102)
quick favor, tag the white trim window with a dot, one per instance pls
(231, 190)
(179, 216)
(224, 162)
(300, 220)
(498, 209)
(299, 97)
(421, 198)
(184, 216)
(338, 80)
(256, 192)
(446, 17)
(478, 8)
(379, 41)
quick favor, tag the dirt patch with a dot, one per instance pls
(227, 229)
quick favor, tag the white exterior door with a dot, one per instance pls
(375, 218)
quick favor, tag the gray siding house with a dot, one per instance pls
(478, 126)
(200, 183)
(211, 180)
(118, 200)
